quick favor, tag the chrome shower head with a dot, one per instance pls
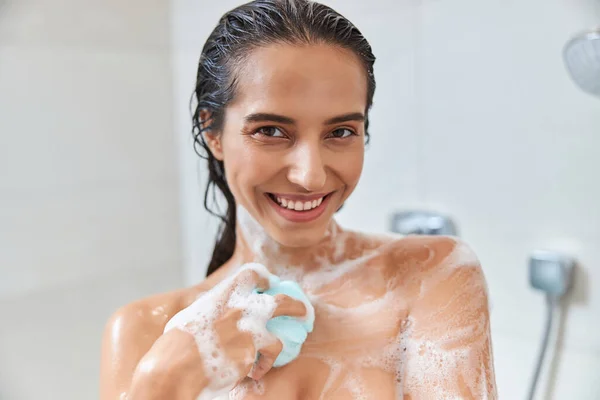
(582, 58)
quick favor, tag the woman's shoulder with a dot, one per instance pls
(420, 256)
(148, 312)
(432, 271)
(409, 244)
(443, 269)
(433, 251)
(152, 313)
(132, 330)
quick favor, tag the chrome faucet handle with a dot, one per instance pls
(422, 223)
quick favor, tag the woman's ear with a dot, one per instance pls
(212, 138)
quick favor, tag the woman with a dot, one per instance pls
(283, 93)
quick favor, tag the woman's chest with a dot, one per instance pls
(321, 379)
(354, 352)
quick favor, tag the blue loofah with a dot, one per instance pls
(291, 331)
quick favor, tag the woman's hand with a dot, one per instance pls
(213, 344)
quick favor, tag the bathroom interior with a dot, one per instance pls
(485, 125)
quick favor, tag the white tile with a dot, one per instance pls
(572, 375)
(186, 30)
(110, 24)
(50, 339)
(509, 149)
(392, 154)
(505, 131)
(73, 117)
(514, 361)
(519, 310)
(52, 238)
(198, 227)
(564, 375)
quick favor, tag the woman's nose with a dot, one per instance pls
(307, 168)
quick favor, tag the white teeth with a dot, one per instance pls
(298, 205)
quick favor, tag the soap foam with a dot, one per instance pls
(256, 308)
(429, 353)
(245, 387)
(198, 319)
(334, 372)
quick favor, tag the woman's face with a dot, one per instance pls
(293, 139)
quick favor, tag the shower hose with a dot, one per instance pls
(552, 303)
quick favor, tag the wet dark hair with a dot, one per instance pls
(258, 24)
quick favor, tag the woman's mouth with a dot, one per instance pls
(298, 209)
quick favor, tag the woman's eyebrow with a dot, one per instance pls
(268, 117)
(355, 116)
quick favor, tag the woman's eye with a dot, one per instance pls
(342, 133)
(270, 131)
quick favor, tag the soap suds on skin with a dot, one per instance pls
(234, 292)
(245, 387)
(426, 344)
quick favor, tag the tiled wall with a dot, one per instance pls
(474, 116)
(89, 192)
(508, 146)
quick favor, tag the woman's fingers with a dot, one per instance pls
(266, 359)
(289, 306)
(244, 283)
(248, 280)
(249, 311)
(262, 283)
(285, 305)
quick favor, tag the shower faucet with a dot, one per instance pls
(551, 272)
(422, 223)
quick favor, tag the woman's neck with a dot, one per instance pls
(253, 244)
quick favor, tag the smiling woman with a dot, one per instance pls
(302, 134)
(283, 93)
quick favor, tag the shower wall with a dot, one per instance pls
(508, 144)
(88, 183)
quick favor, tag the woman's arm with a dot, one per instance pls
(226, 324)
(171, 370)
(448, 345)
(133, 330)
(132, 338)
(128, 335)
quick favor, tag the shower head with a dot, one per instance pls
(582, 58)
